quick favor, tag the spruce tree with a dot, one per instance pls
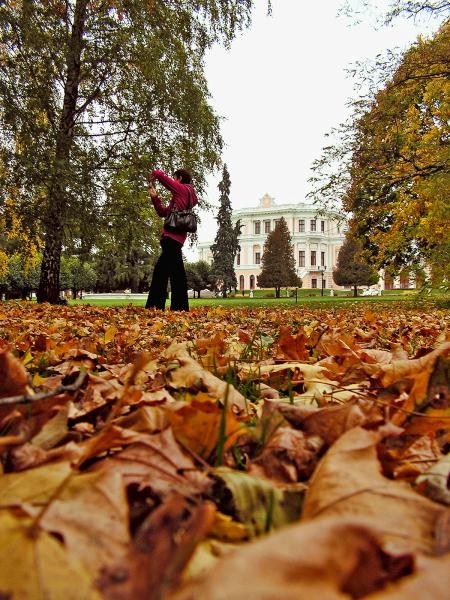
(351, 267)
(278, 262)
(226, 244)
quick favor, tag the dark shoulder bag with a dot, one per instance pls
(181, 221)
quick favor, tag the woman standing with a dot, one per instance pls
(169, 265)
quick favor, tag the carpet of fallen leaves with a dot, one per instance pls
(224, 453)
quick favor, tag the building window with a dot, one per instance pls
(257, 258)
(241, 282)
(314, 283)
(324, 283)
(238, 258)
(313, 225)
(266, 226)
(322, 259)
(322, 226)
(313, 258)
(301, 225)
(252, 282)
(301, 258)
(257, 227)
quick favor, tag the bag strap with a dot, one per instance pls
(189, 199)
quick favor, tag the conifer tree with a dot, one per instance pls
(351, 267)
(278, 262)
(226, 244)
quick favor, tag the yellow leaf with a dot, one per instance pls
(38, 566)
(228, 530)
(28, 357)
(38, 380)
(109, 334)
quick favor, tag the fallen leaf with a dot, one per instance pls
(329, 422)
(326, 559)
(38, 566)
(256, 503)
(13, 375)
(161, 548)
(34, 486)
(429, 582)
(288, 457)
(91, 515)
(156, 461)
(435, 482)
(348, 481)
(188, 374)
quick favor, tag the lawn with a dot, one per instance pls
(304, 299)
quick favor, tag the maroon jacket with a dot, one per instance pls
(180, 198)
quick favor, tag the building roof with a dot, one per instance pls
(268, 205)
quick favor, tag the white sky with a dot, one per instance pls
(280, 88)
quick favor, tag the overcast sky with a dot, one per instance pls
(281, 87)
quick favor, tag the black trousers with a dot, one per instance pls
(169, 266)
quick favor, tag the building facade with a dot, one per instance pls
(316, 241)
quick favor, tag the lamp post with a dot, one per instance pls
(322, 270)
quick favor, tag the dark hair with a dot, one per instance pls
(184, 175)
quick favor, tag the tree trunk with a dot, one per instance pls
(355, 291)
(277, 292)
(57, 201)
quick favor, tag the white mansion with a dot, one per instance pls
(316, 241)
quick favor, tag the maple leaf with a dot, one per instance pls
(407, 519)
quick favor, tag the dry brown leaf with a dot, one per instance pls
(53, 431)
(13, 375)
(419, 370)
(431, 581)
(329, 422)
(288, 457)
(197, 424)
(156, 462)
(161, 548)
(91, 515)
(190, 375)
(416, 458)
(291, 346)
(327, 559)
(348, 481)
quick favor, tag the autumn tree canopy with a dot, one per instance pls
(87, 87)
(278, 261)
(390, 163)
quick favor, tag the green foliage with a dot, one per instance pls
(226, 244)
(89, 89)
(76, 275)
(278, 262)
(351, 267)
(200, 276)
(21, 280)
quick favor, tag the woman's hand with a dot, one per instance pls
(152, 190)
